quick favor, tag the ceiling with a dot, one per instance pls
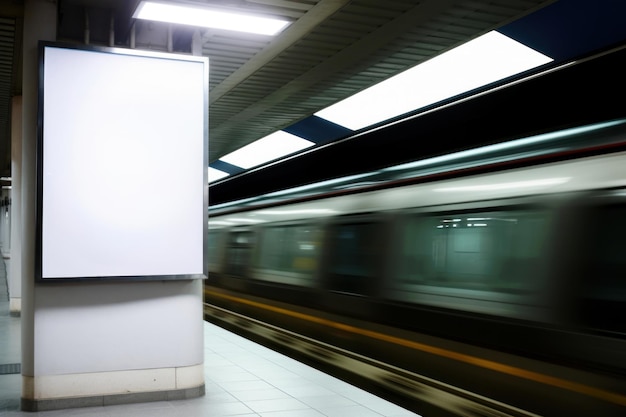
(259, 84)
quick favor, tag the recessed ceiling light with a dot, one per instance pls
(488, 58)
(216, 174)
(212, 18)
(266, 149)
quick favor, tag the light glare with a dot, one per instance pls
(199, 16)
(506, 185)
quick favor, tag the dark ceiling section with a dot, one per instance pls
(228, 168)
(99, 22)
(572, 28)
(318, 130)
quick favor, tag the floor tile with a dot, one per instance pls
(293, 413)
(260, 394)
(281, 404)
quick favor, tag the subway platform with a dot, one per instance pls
(242, 379)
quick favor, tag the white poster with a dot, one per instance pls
(123, 164)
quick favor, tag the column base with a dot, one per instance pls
(55, 392)
(116, 399)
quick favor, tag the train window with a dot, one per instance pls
(493, 251)
(239, 251)
(604, 288)
(214, 241)
(291, 249)
(354, 249)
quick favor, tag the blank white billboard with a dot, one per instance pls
(122, 164)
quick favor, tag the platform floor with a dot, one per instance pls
(242, 379)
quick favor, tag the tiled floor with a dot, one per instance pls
(242, 379)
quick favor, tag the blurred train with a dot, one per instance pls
(485, 282)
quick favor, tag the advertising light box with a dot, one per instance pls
(122, 164)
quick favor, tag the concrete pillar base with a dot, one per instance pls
(116, 399)
(54, 392)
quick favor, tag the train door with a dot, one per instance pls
(602, 303)
(353, 264)
(239, 247)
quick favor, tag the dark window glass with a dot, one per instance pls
(604, 277)
(495, 251)
(289, 249)
(239, 251)
(353, 254)
(214, 239)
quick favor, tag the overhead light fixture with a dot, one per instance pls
(216, 174)
(488, 58)
(186, 14)
(268, 148)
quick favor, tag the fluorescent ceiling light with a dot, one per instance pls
(200, 16)
(216, 174)
(266, 149)
(486, 59)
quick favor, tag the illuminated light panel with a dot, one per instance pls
(505, 185)
(201, 16)
(266, 149)
(216, 174)
(488, 58)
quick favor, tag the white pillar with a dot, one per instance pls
(39, 24)
(97, 343)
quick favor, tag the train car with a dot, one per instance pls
(485, 282)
